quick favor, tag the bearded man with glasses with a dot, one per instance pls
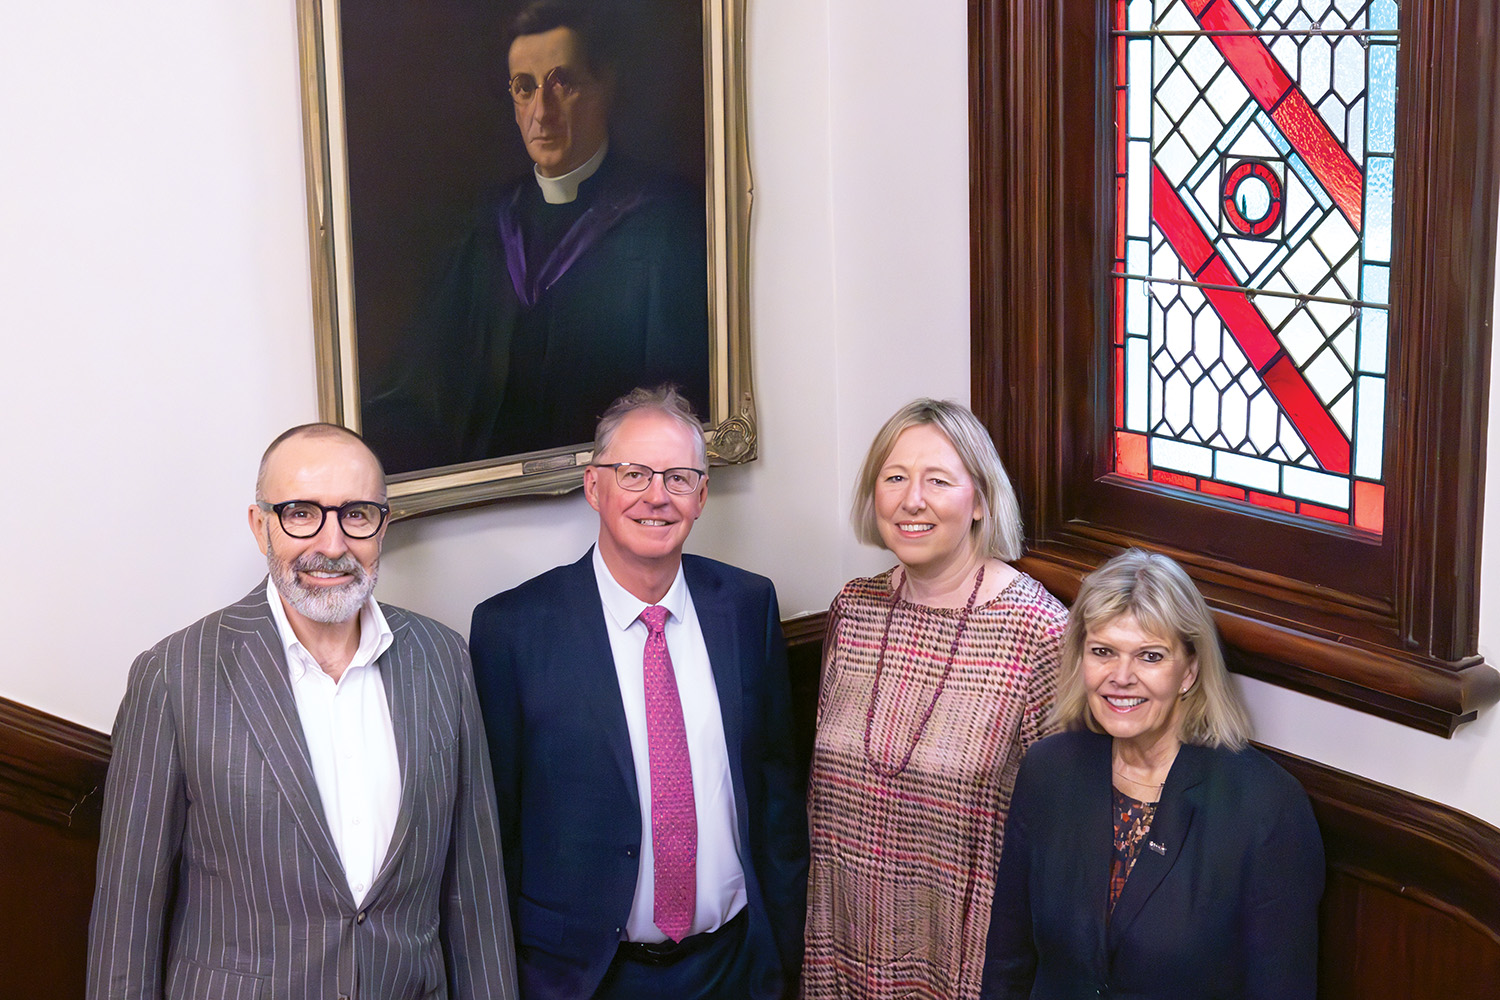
(576, 283)
(638, 711)
(299, 801)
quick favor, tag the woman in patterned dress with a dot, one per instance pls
(1153, 854)
(937, 675)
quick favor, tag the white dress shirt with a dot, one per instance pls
(721, 878)
(351, 742)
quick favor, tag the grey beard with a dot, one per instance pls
(329, 605)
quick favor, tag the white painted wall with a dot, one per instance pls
(157, 332)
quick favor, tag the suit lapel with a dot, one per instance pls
(717, 618)
(408, 694)
(588, 663)
(1096, 832)
(255, 670)
(1169, 831)
(720, 626)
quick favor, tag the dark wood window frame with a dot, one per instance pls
(1387, 625)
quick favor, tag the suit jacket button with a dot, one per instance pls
(630, 852)
(361, 918)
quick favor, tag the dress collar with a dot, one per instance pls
(564, 189)
(622, 608)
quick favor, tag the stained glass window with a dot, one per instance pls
(1254, 144)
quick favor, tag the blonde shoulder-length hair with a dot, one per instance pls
(1161, 597)
(997, 533)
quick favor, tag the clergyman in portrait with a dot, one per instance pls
(573, 283)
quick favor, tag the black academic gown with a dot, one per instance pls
(546, 315)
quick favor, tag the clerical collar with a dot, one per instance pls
(561, 190)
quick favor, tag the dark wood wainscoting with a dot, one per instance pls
(51, 782)
(1412, 908)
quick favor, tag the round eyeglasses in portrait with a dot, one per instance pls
(560, 84)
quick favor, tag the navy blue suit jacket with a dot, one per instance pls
(1224, 906)
(569, 807)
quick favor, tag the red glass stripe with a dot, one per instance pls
(1174, 479)
(1222, 489)
(1252, 61)
(1307, 414)
(1122, 183)
(1369, 506)
(1122, 108)
(1122, 44)
(1122, 75)
(1275, 503)
(1323, 513)
(1119, 310)
(1244, 321)
(1181, 229)
(1131, 454)
(1309, 135)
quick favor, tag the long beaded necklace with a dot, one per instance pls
(885, 770)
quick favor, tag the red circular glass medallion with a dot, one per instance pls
(1252, 197)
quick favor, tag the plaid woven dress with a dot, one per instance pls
(903, 867)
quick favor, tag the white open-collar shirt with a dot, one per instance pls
(721, 877)
(350, 741)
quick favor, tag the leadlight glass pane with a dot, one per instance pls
(1255, 159)
(1370, 424)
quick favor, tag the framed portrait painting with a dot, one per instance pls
(520, 210)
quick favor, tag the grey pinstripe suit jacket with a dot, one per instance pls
(218, 876)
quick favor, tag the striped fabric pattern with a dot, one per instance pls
(217, 874)
(903, 868)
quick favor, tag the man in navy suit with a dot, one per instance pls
(639, 684)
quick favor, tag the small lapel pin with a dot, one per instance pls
(1158, 848)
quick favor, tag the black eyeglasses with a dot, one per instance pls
(637, 478)
(304, 518)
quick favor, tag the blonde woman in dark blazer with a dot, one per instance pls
(1150, 852)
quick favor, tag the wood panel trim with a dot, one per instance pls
(51, 770)
(1417, 848)
(805, 630)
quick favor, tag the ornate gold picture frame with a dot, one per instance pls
(405, 112)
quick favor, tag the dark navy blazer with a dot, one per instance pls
(1222, 902)
(569, 807)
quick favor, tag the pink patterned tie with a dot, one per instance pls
(674, 819)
